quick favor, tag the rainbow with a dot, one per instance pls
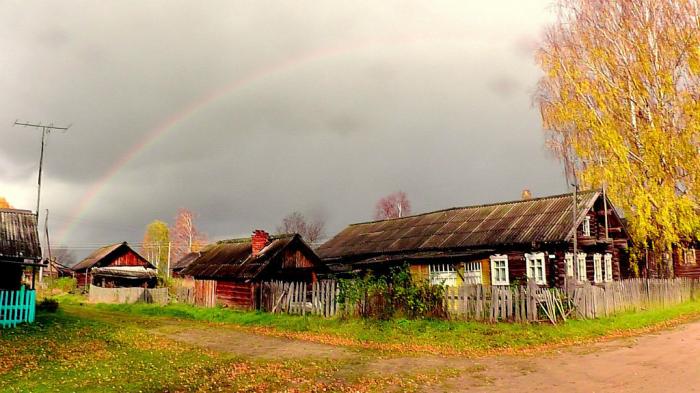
(159, 131)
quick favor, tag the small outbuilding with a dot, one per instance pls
(19, 247)
(239, 266)
(114, 266)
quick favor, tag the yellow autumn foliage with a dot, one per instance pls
(620, 104)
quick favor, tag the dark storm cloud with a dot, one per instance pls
(348, 102)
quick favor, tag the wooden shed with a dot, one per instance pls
(239, 265)
(19, 246)
(180, 265)
(494, 244)
(116, 265)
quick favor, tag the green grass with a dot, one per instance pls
(84, 349)
(426, 335)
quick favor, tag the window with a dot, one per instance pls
(689, 256)
(443, 274)
(581, 266)
(608, 267)
(587, 226)
(534, 265)
(499, 270)
(472, 273)
(569, 261)
(597, 268)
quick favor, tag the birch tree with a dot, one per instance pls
(185, 236)
(619, 101)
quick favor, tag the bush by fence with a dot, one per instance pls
(128, 295)
(382, 298)
(394, 295)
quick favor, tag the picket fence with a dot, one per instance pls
(17, 307)
(196, 292)
(630, 295)
(515, 304)
(300, 298)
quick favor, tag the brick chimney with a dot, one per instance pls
(259, 240)
(526, 195)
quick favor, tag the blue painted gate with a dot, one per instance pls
(17, 307)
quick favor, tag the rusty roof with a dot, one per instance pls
(546, 219)
(104, 252)
(19, 237)
(233, 258)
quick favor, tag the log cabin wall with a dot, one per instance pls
(686, 261)
(234, 294)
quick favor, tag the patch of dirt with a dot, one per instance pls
(259, 346)
(653, 363)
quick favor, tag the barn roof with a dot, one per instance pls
(546, 219)
(186, 260)
(234, 259)
(19, 237)
(104, 252)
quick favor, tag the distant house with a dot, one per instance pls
(177, 268)
(116, 265)
(19, 246)
(494, 244)
(239, 265)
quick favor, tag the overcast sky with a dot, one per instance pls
(267, 107)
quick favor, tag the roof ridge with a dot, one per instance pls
(475, 206)
(248, 240)
(13, 210)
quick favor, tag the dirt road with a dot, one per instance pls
(667, 361)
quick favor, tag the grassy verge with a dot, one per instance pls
(433, 336)
(67, 352)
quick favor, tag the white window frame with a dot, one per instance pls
(581, 267)
(569, 262)
(586, 226)
(472, 273)
(597, 268)
(499, 259)
(608, 267)
(689, 257)
(442, 274)
(533, 263)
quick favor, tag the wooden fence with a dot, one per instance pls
(197, 292)
(128, 295)
(318, 298)
(630, 295)
(515, 304)
(17, 307)
(581, 300)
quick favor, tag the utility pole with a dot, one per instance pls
(48, 247)
(45, 129)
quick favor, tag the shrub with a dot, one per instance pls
(394, 295)
(60, 285)
(48, 304)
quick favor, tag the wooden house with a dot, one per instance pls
(116, 265)
(494, 244)
(19, 247)
(238, 266)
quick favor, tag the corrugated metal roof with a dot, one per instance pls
(19, 237)
(546, 219)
